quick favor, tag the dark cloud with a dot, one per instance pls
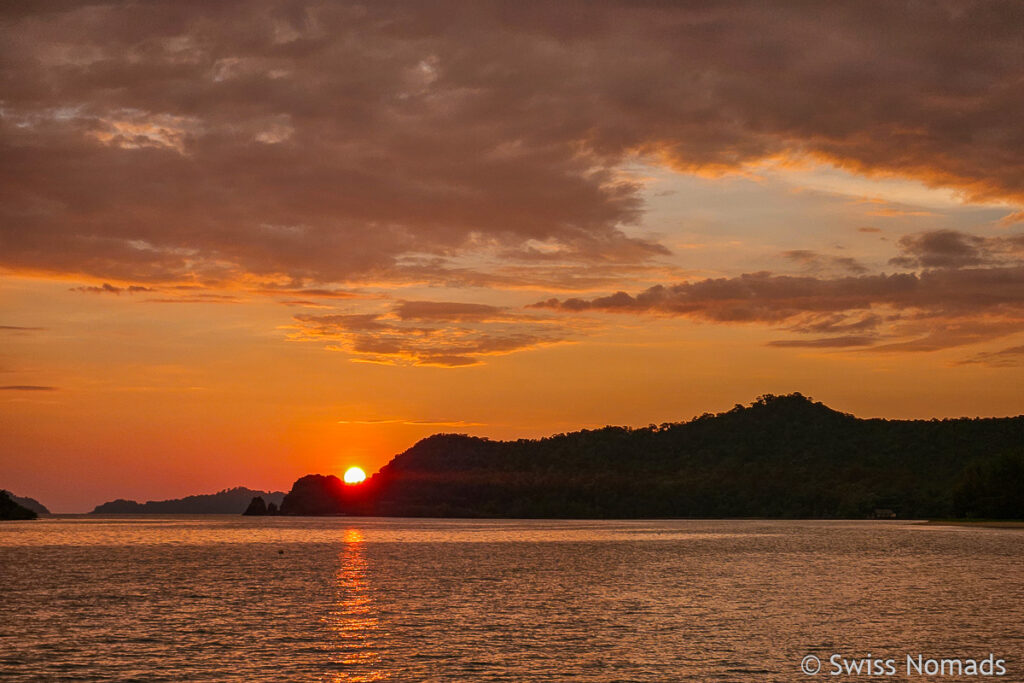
(19, 329)
(170, 141)
(430, 333)
(764, 297)
(107, 288)
(26, 387)
(941, 249)
(952, 249)
(754, 297)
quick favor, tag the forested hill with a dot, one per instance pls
(226, 502)
(782, 456)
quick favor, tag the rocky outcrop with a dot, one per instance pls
(257, 507)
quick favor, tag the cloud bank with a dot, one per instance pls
(971, 290)
(316, 142)
(437, 333)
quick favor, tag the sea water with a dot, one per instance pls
(361, 599)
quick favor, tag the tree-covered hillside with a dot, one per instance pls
(782, 456)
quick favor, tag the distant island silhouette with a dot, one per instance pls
(780, 457)
(30, 503)
(11, 509)
(228, 502)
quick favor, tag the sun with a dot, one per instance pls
(354, 475)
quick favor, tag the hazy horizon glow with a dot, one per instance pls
(244, 242)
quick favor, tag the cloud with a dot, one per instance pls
(198, 299)
(1005, 358)
(26, 387)
(446, 334)
(18, 329)
(303, 303)
(765, 297)
(328, 142)
(405, 421)
(825, 342)
(971, 290)
(890, 212)
(952, 249)
(884, 208)
(938, 334)
(448, 311)
(940, 249)
(107, 288)
(313, 292)
(837, 323)
(752, 297)
(1015, 217)
(812, 261)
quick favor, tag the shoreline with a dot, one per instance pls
(985, 524)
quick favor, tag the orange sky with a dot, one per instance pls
(239, 244)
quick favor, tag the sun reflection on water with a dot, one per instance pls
(352, 620)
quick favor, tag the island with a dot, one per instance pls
(779, 457)
(226, 502)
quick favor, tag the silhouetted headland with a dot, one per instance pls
(10, 509)
(780, 457)
(30, 503)
(226, 502)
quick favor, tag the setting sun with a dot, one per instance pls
(354, 475)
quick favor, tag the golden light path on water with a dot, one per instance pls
(352, 621)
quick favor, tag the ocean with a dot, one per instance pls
(155, 598)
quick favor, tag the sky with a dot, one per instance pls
(241, 242)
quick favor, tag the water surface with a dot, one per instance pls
(358, 599)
